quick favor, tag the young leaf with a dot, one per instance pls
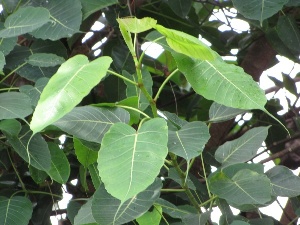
(91, 123)
(243, 148)
(219, 113)
(45, 60)
(132, 159)
(73, 81)
(135, 25)
(151, 217)
(24, 20)
(85, 155)
(15, 210)
(186, 44)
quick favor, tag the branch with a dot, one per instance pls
(278, 155)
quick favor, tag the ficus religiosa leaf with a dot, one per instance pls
(151, 217)
(219, 113)
(84, 215)
(181, 7)
(2, 61)
(91, 6)
(85, 155)
(7, 44)
(45, 60)
(65, 89)
(11, 127)
(135, 25)
(132, 158)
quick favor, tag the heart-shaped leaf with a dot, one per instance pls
(132, 159)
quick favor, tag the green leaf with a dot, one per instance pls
(109, 210)
(132, 159)
(14, 105)
(24, 20)
(174, 122)
(85, 155)
(60, 167)
(73, 81)
(95, 175)
(220, 113)
(258, 9)
(91, 123)
(39, 176)
(223, 83)
(231, 170)
(197, 219)
(135, 25)
(151, 217)
(15, 210)
(245, 187)
(173, 175)
(72, 210)
(180, 7)
(239, 222)
(45, 60)
(293, 3)
(7, 44)
(186, 44)
(243, 148)
(84, 215)
(10, 126)
(289, 84)
(189, 141)
(91, 6)
(2, 61)
(283, 182)
(66, 18)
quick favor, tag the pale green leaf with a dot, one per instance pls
(186, 44)
(95, 175)
(243, 148)
(24, 20)
(127, 38)
(15, 210)
(132, 159)
(180, 7)
(91, 123)
(45, 60)
(283, 182)
(219, 113)
(151, 217)
(223, 83)
(258, 9)
(84, 215)
(245, 187)
(109, 210)
(135, 25)
(91, 6)
(85, 155)
(72, 82)
(66, 17)
(14, 105)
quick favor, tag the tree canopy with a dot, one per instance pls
(136, 139)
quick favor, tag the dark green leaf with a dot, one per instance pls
(239, 222)
(231, 170)
(293, 3)
(173, 174)
(174, 122)
(11, 127)
(219, 113)
(37, 175)
(2, 61)
(7, 44)
(181, 7)
(289, 84)
(91, 6)
(85, 215)
(72, 210)
(45, 60)
(197, 219)
(95, 175)
(85, 155)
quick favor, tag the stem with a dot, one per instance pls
(205, 178)
(208, 201)
(9, 89)
(164, 83)
(172, 190)
(17, 173)
(38, 192)
(13, 71)
(133, 109)
(122, 77)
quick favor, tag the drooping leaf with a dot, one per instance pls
(73, 81)
(85, 155)
(186, 44)
(132, 158)
(109, 210)
(245, 187)
(135, 25)
(283, 182)
(45, 60)
(14, 105)
(189, 141)
(223, 83)
(10, 126)
(84, 215)
(24, 20)
(91, 123)
(95, 175)
(181, 7)
(219, 113)
(258, 9)
(151, 217)
(60, 166)
(91, 6)
(15, 210)
(66, 18)
(243, 148)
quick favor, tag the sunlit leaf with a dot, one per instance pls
(132, 159)
(45, 60)
(73, 81)
(93, 170)
(219, 113)
(151, 217)
(135, 25)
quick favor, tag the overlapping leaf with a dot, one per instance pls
(153, 217)
(91, 6)
(84, 215)
(45, 60)
(91, 123)
(134, 25)
(180, 7)
(34, 92)
(7, 44)
(132, 159)
(85, 155)
(73, 81)
(219, 113)
(2, 61)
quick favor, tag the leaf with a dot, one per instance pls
(243, 148)
(293, 3)
(174, 122)
(91, 123)
(45, 60)
(84, 215)
(231, 170)
(60, 167)
(2, 61)
(15, 210)
(289, 84)
(109, 210)
(39, 176)
(180, 7)
(24, 20)
(85, 155)
(220, 113)
(7, 44)
(151, 217)
(283, 182)
(95, 175)
(14, 105)
(223, 83)
(186, 44)
(10, 126)
(91, 6)
(132, 159)
(135, 25)
(258, 9)
(245, 187)
(66, 18)
(72, 82)
(239, 222)
(173, 175)
(189, 141)
(72, 210)
(197, 219)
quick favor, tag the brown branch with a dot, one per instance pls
(278, 155)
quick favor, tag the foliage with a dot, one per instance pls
(140, 134)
